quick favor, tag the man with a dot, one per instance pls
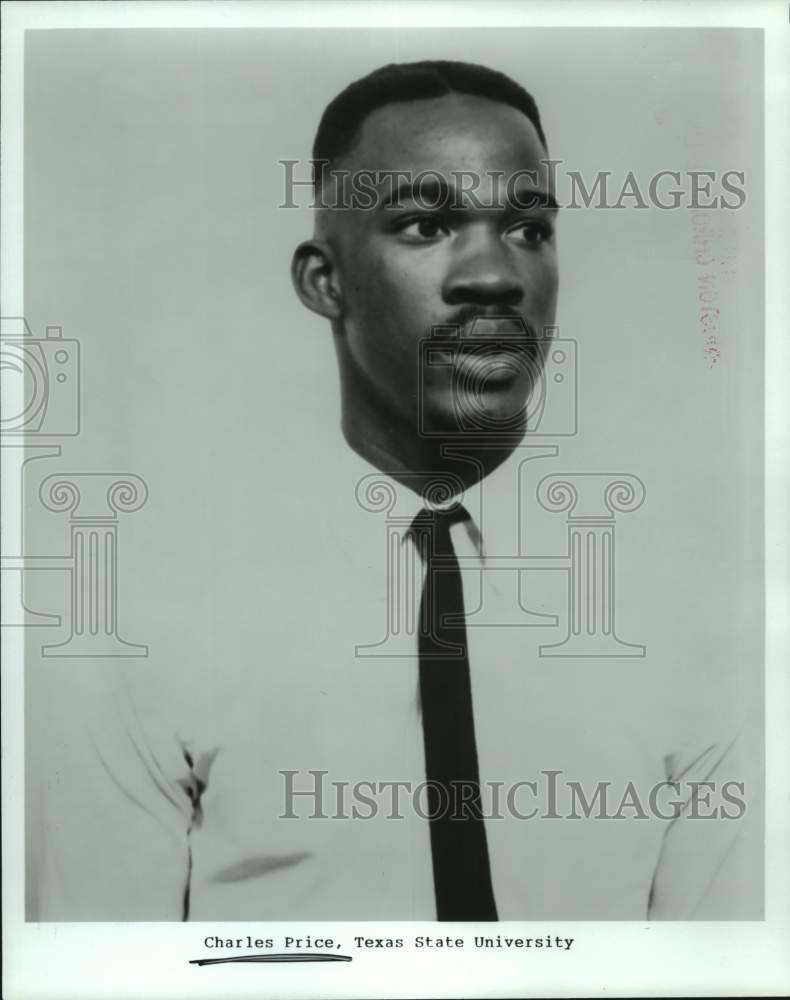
(287, 791)
(386, 276)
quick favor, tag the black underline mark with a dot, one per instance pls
(305, 956)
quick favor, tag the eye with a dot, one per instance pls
(424, 229)
(531, 233)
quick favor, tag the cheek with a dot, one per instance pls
(544, 283)
(549, 299)
(391, 297)
(364, 285)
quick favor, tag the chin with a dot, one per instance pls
(495, 411)
(470, 418)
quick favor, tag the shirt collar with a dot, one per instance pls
(374, 491)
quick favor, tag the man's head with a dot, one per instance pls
(439, 212)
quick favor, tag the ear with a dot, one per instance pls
(315, 277)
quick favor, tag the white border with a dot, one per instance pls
(674, 959)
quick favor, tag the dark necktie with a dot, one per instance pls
(461, 872)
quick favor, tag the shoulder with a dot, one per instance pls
(711, 861)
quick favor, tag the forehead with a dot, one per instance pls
(451, 132)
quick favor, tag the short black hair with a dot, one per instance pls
(341, 121)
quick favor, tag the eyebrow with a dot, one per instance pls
(437, 193)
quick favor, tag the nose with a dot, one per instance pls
(482, 273)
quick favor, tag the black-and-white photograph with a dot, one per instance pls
(384, 425)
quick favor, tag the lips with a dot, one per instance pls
(491, 364)
(488, 350)
(496, 351)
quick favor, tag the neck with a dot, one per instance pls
(398, 450)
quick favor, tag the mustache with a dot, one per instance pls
(480, 322)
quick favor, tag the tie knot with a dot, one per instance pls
(439, 520)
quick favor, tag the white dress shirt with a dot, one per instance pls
(162, 791)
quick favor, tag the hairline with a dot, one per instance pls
(336, 164)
